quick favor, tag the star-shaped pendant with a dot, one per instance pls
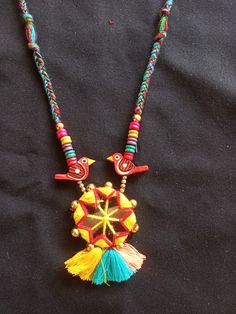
(104, 217)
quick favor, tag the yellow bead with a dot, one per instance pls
(137, 117)
(133, 135)
(66, 140)
(90, 247)
(74, 204)
(122, 190)
(133, 132)
(59, 125)
(75, 233)
(91, 187)
(109, 184)
(135, 228)
(134, 203)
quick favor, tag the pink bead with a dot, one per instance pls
(132, 143)
(130, 138)
(71, 161)
(134, 126)
(61, 133)
(67, 147)
(129, 156)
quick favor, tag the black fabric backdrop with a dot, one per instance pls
(186, 207)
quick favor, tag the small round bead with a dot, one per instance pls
(130, 149)
(67, 147)
(81, 185)
(70, 153)
(123, 181)
(59, 126)
(134, 126)
(122, 190)
(90, 247)
(133, 133)
(66, 140)
(135, 228)
(123, 185)
(74, 204)
(75, 232)
(134, 203)
(124, 177)
(109, 184)
(91, 187)
(61, 132)
(131, 142)
(137, 117)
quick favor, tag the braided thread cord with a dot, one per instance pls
(134, 126)
(62, 133)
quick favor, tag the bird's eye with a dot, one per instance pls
(84, 160)
(117, 157)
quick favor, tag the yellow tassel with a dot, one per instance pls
(132, 256)
(84, 263)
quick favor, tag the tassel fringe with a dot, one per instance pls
(84, 263)
(101, 266)
(112, 267)
(132, 256)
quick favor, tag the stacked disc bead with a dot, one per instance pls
(66, 143)
(132, 140)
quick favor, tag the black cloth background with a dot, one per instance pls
(186, 209)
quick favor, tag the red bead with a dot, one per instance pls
(61, 133)
(134, 126)
(129, 156)
(71, 161)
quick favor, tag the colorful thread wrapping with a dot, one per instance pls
(133, 133)
(62, 134)
(134, 127)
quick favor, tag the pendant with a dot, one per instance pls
(104, 217)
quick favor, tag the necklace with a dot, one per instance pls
(104, 217)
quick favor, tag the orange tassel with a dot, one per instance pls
(132, 256)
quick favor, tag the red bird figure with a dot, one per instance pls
(78, 171)
(125, 167)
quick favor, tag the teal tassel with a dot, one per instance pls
(112, 267)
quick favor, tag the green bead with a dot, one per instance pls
(70, 153)
(130, 148)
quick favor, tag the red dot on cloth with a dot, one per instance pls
(110, 22)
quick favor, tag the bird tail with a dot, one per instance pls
(140, 169)
(64, 177)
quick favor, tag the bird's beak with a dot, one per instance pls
(91, 161)
(110, 158)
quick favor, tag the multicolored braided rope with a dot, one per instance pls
(134, 126)
(62, 133)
